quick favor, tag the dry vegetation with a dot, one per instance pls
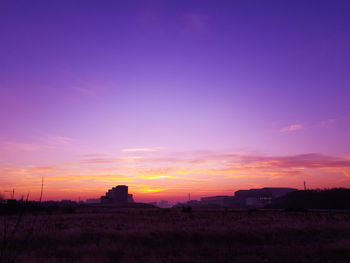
(94, 234)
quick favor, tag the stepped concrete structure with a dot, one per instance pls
(117, 195)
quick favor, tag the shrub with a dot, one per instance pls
(186, 209)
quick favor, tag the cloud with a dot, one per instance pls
(61, 140)
(34, 174)
(346, 174)
(327, 123)
(99, 160)
(53, 142)
(179, 173)
(94, 155)
(310, 160)
(31, 171)
(47, 142)
(233, 164)
(92, 177)
(156, 149)
(151, 190)
(223, 164)
(19, 146)
(291, 128)
(158, 176)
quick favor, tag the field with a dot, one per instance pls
(107, 234)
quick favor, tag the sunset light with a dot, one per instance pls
(170, 99)
(180, 131)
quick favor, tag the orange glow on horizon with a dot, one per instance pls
(161, 177)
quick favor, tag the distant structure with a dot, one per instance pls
(164, 204)
(243, 199)
(130, 198)
(260, 197)
(117, 195)
(221, 200)
(93, 201)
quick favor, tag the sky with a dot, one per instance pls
(173, 97)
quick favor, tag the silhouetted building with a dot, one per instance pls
(11, 201)
(118, 194)
(222, 201)
(260, 197)
(130, 198)
(93, 201)
(336, 198)
(194, 203)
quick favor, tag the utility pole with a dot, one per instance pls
(42, 189)
(304, 185)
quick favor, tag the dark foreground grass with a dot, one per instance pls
(155, 235)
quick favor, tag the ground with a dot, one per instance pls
(107, 234)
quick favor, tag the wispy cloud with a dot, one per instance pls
(99, 160)
(19, 146)
(54, 142)
(292, 128)
(61, 140)
(45, 142)
(150, 190)
(158, 176)
(314, 125)
(310, 160)
(94, 155)
(327, 123)
(193, 172)
(155, 149)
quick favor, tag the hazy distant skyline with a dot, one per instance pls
(171, 97)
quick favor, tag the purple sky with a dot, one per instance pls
(91, 78)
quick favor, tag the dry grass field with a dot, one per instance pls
(106, 234)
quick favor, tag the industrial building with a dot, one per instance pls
(260, 197)
(118, 195)
(222, 201)
(93, 201)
